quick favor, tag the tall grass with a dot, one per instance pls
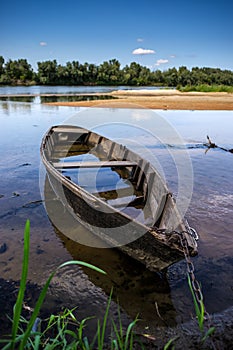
(22, 339)
(206, 88)
(27, 334)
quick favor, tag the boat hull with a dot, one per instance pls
(150, 245)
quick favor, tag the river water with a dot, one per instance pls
(200, 179)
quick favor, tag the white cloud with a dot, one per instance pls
(173, 56)
(140, 40)
(161, 61)
(43, 43)
(141, 51)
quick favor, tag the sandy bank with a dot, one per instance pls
(160, 99)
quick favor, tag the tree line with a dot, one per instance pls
(16, 72)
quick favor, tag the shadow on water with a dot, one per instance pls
(55, 98)
(137, 290)
(76, 98)
(27, 99)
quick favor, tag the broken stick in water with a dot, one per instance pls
(211, 144)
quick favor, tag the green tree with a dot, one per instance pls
(2, 61)
(18, 71)
(171, 77)
(92, 73)
(47, 72)
(158, 77)
(109, 72)
(74, 73)
(135, 74)
(184, 76)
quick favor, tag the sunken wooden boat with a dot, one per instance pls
(117, 195)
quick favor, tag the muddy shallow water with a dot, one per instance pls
(201, 181)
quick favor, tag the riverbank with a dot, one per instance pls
(159, 99)
(187, 333)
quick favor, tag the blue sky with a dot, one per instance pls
(158, 34)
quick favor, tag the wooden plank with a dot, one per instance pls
(93, 139)
(114, 163)
(171, 218)
(74, 147)
(69, 143)
(142, 174)
(114, 194)
(70, 130)
(138, 201)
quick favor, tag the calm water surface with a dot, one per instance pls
(201, 181)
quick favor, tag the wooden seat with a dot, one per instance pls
(70, 130)
(114, 163)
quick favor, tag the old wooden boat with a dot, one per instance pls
(117, 195)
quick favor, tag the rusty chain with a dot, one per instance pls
(181, 237)
(190, 269)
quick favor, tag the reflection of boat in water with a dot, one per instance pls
(116, 194)
(137, 290)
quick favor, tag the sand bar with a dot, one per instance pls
(159, 99)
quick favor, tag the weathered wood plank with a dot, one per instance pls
(142, 173)
(114, 163)
(70, 130)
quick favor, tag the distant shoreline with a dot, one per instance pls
(159, 99)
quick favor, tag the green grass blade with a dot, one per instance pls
(208, 333)
(118, 336)
(99, 335)
(169, 343)
(44, 292)
(36, 345)
(129, 332)
(201, 316)
(114, 345)
(7, 346)
(23, 282)
(71, 333)
(86, 344)
(80, 329)
(36, 311)
(199, 310)
(120, 322)
(81, 263)
(105, 319)
(51, 322)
